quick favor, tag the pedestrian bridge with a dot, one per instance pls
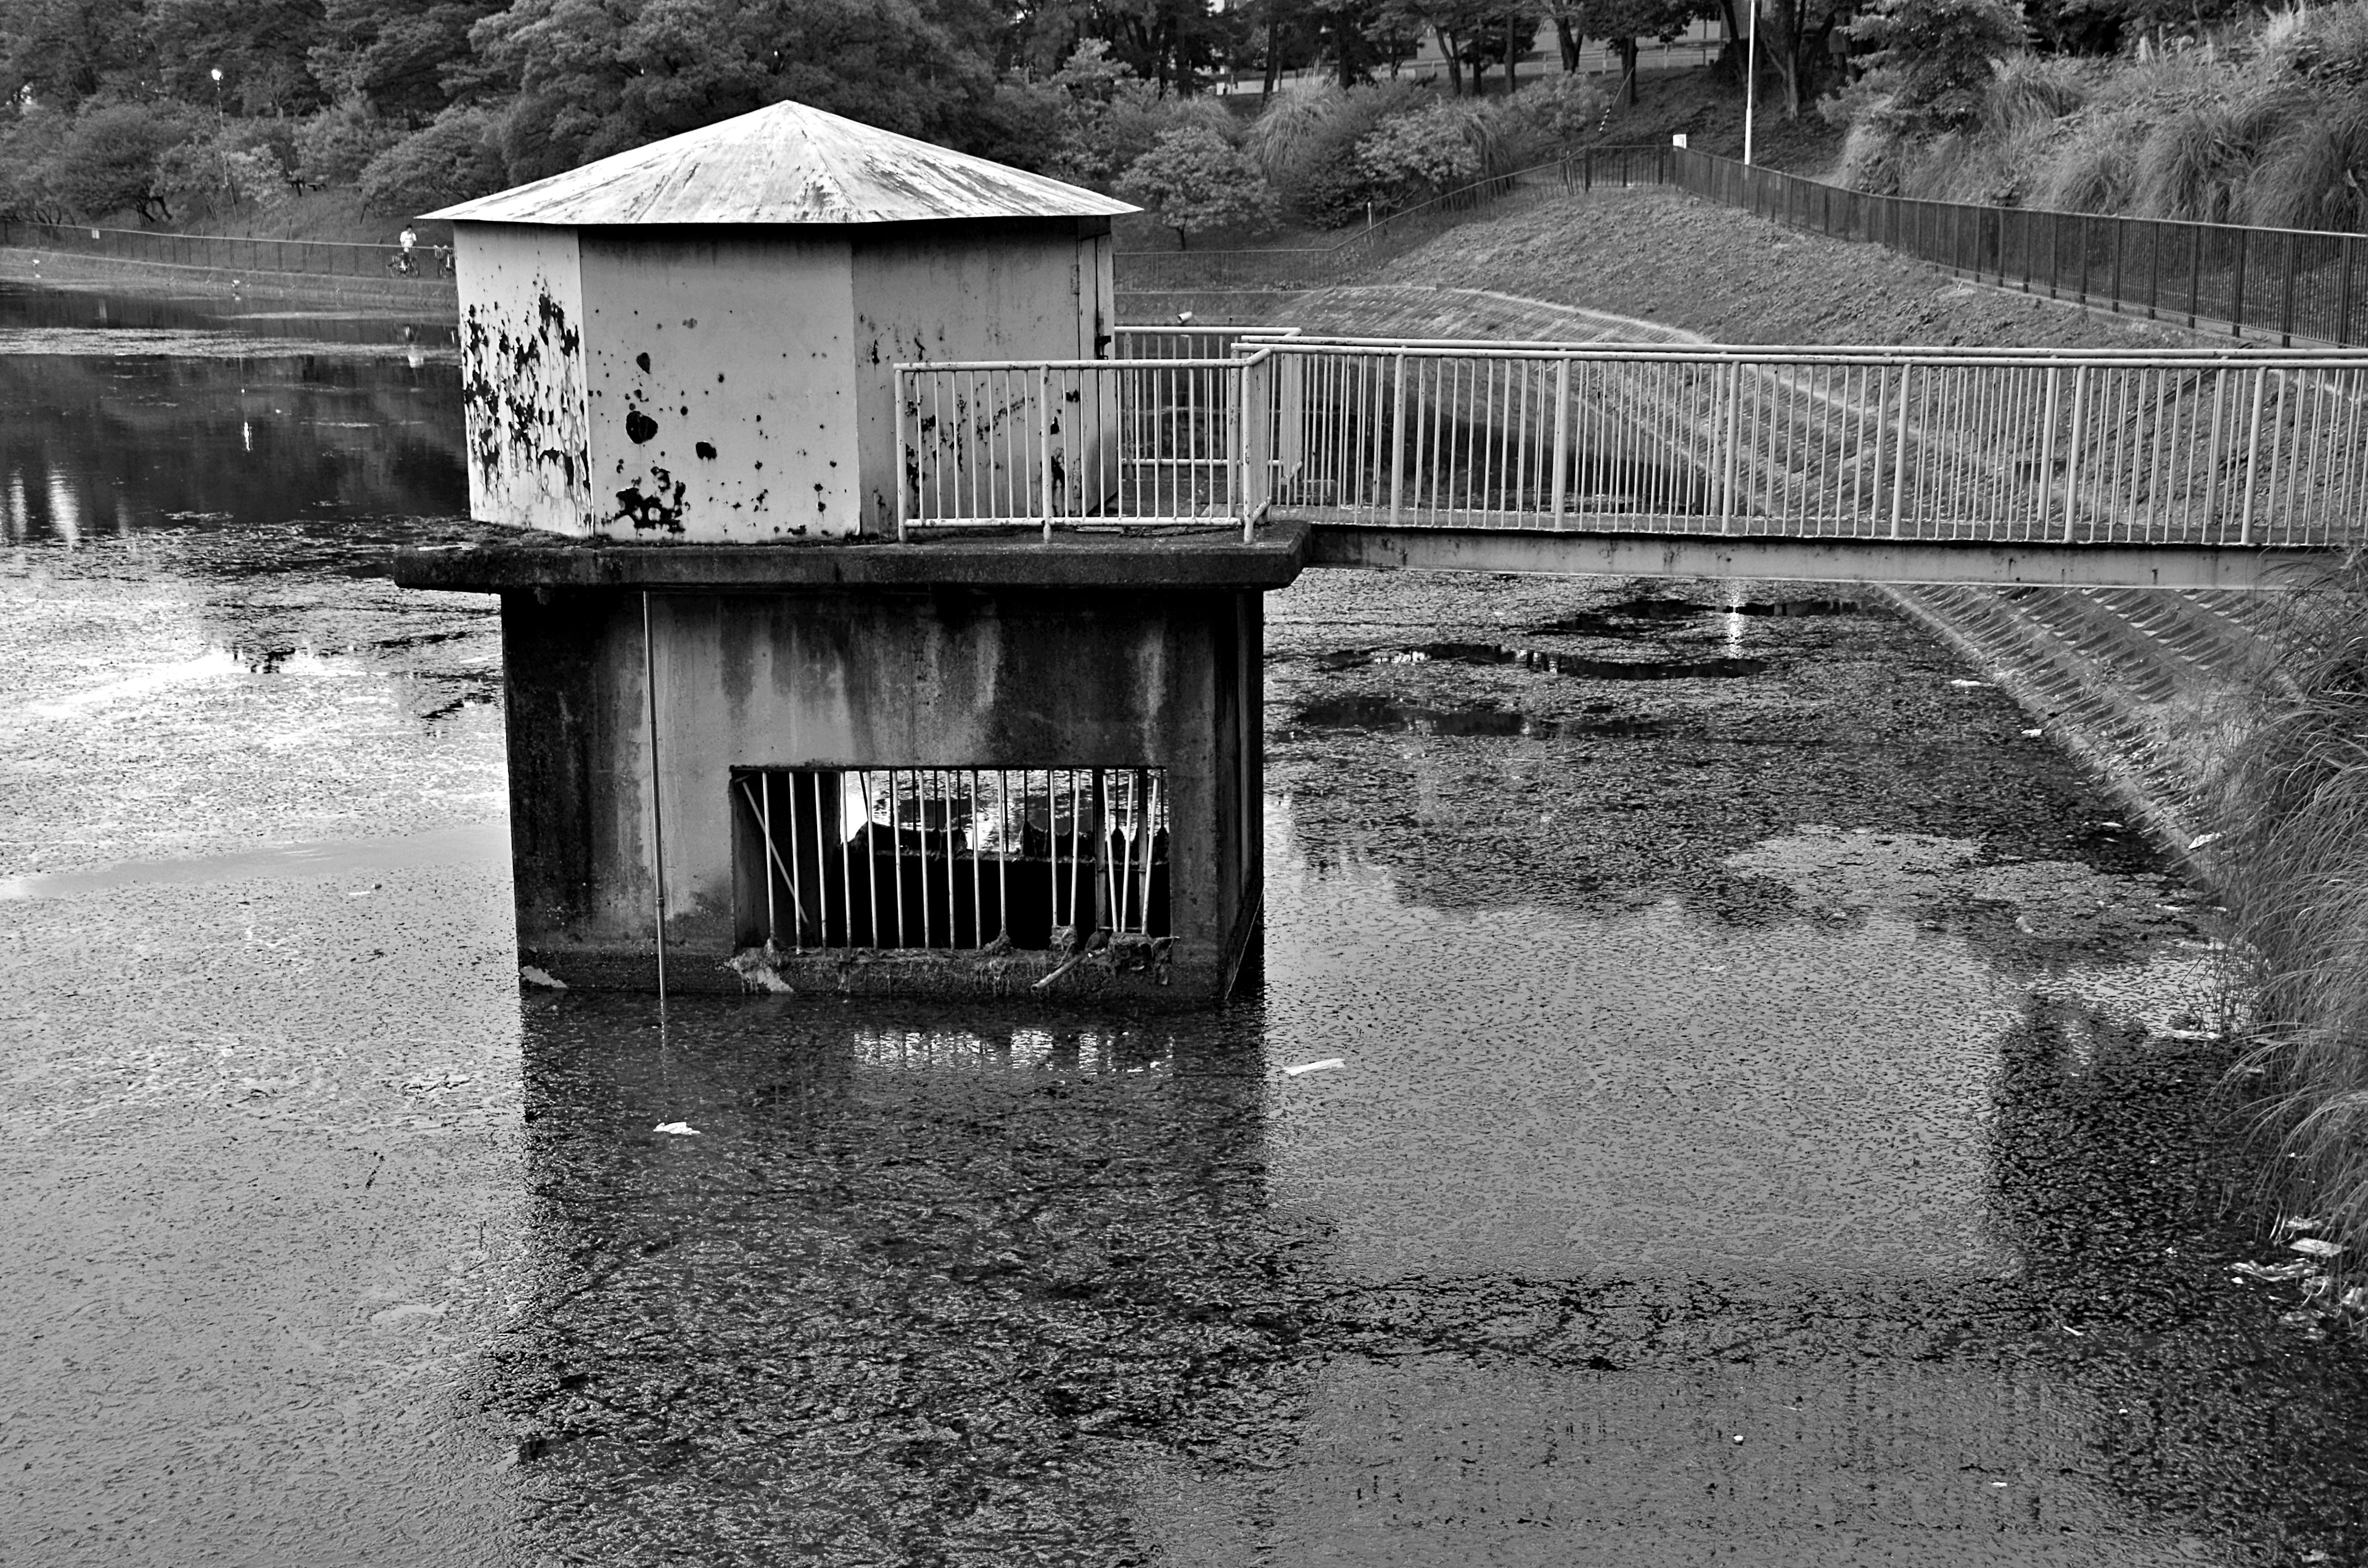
(2181, 468)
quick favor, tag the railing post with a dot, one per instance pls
(1397, 441)
(1044, 445)
(2154, 270)
(1560, 483)
(2194, 271)
(1734, 443)
(2211, 461)
(1900, 452)
(901, 380)
(2072, 462)
(2119, 224)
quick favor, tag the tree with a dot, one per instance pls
(1934, 56)
(111, 160)
(1622, 24)
(1196, 181)
(60, 53)
(452, 160)
(1422, 153)
(1794, 41)
(395, 58)
(261, 48)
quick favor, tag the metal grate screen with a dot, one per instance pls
(952, 858)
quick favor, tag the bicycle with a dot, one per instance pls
(400, 265)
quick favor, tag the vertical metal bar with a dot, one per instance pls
(2252, 458)
(657, 815)
(1560, 481)
(1044, 454)
(2237, 300)
(2212, 465)
(2047, 447)
(765, 823)
(1397, 444)
(797, 874)
(1733, 368)
(903, 382)
(2285, 303)
(2072, 462)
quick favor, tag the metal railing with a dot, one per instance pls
(1131, 441)
(956, 858)
(2202, 448)
(2288, 283)
(329, 258)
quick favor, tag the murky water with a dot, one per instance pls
(1771, 1119)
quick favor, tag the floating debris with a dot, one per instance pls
(2315, 1246)
(1324, 1066)
(677, 1128)
(541, 977)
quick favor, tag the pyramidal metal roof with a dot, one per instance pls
(786, 163)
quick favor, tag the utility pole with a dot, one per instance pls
(1751, 79)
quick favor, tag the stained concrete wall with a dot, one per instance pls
(722, 384)
(719, 384)
(523, 382)
(943, 678)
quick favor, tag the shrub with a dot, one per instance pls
(451, 160)
(2328, 46)
(2092, 170)
(1195, 181)
(1323, 185)
(29, 152)
(2313, 174)
(1413, 156)
(2194, 164)
(2292, 803)
(1293, 119)
(1565, 111)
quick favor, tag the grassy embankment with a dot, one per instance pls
(2266, 123)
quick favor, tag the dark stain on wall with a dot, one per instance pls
(516, 392)
(639, 426)
(660, 510)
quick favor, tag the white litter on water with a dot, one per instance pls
(2033, 734)
(2199, 842)
(541, 977)
(1327, 1064)
(2315, 1246)
(1968, 683)
(679, 1129)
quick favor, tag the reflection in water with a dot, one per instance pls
(92, 447)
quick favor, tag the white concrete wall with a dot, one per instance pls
(722, 386)
(522, 375)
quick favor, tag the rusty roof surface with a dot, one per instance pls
(786, 163)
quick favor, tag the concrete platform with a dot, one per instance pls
(1075, 557)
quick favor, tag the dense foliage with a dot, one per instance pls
(170, 109)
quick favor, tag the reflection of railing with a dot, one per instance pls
(231, 253)
(952, 858)
(2196, 448)
(2293, 282)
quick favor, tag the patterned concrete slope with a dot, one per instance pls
(2136, 682)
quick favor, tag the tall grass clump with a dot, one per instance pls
(2292, 799)
(2311, 177)
(2090, 169)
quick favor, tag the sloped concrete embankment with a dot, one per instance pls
(2140, 684)
(424, 296)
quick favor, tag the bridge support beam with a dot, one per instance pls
(1561, 552)
(789, 680)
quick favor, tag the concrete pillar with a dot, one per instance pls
(1005, 654)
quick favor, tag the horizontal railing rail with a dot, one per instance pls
(334, 258)
(2206, 447)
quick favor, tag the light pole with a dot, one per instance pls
(216, 74)
(1751, 79)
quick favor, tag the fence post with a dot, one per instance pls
(2285, 303)
(1734, 441)
(2119, 226)
(2154, 270)
(2236, 300)
(2347, 253)
(1397, 441)
(1559, 484)
(2194, 271)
